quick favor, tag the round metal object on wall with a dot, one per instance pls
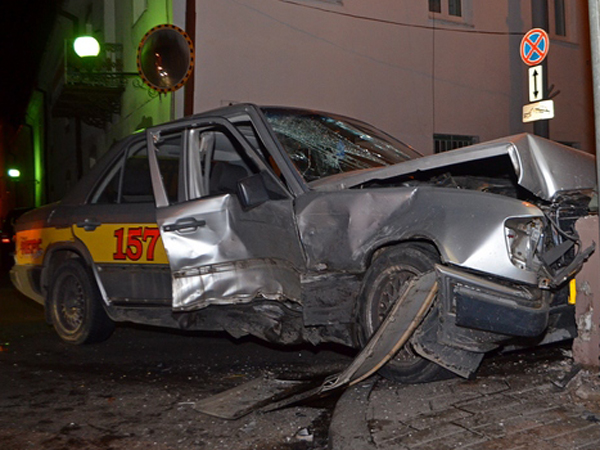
(165, 58)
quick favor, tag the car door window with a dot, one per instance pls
(108, 192)
(137, 185)
(168, 152)
(222, 249)
(129, 180)
(216, 164)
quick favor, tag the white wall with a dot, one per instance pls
(389, 63)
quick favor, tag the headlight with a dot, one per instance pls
(524, 239)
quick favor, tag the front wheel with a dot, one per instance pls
(75, 306)
(388, 275)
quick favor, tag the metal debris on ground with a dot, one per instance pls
(304, 434)
(566, 379)
(268, 394)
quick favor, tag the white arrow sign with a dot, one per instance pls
(536, 83)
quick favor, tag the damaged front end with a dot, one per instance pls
(480, 312)
(477, 313)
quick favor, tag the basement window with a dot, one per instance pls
(446, 142)
(446, 7)
(457, 12)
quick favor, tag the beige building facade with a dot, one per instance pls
(398, 64)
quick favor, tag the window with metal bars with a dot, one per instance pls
(445, 142)
(454, 7)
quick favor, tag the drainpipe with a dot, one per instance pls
(190, 29)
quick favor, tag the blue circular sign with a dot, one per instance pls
(534, 46)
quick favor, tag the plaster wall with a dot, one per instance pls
(391, 63)
(586, 347)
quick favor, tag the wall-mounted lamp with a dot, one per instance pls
(14, 173)
(86, 46)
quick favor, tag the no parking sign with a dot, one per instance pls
(534, 46)
(534, 49)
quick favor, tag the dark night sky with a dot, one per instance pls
(24, 28)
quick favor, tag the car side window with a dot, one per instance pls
(250, 134)
(137, 184)
(169, 150)
(109, 190)
(216, 164)
(128, 181)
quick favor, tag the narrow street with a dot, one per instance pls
(138, 389)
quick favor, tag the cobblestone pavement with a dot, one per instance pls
(546, 406)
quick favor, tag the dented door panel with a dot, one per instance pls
(220, 252)
(230, 255)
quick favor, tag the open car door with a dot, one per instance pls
(222, 250)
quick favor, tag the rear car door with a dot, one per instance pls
(118, 227)
(220, 250)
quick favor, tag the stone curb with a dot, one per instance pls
(349, 429)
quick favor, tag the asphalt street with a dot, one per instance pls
(138, 389)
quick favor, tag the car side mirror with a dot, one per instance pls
(252, 191)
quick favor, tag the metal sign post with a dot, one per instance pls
(534, 49)
(539, 21)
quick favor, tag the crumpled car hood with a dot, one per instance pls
(545, 168)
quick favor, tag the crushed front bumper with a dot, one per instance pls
(474, 315)
(474, 302)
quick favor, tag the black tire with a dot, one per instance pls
(384, 280)
(76, 306)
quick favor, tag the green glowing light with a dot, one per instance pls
(86, 46)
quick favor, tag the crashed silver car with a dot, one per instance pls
(299, 226)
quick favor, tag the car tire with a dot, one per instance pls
(76, 306)
(384, 280)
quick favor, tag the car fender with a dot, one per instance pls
(340, 230)
(58, 252)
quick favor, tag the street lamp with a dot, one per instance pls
(14, 173)
(86, 46)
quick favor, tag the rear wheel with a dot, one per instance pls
(75, 306)
(388, 275)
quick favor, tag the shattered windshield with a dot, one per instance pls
(323, 145)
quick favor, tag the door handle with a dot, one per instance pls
(89, 224)
(187, 224)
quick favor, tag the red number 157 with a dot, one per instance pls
(133, 243)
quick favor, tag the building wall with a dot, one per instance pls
(140, 107)
(391, 63)
(35, 122)
(388, 62)
(586, 347)
(73, 146)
